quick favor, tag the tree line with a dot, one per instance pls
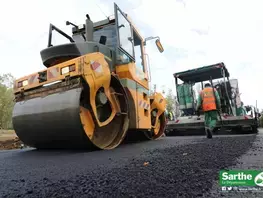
(6, 100)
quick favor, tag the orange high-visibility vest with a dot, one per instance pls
(209, 102)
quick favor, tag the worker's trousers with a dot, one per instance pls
(210, 119)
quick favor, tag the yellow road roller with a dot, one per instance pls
(94, 92)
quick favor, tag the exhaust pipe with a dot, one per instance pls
(89, 29)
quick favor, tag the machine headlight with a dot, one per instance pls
(25, 83)
(22, 83)
(67, 69)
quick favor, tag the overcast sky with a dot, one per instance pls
(193, 33)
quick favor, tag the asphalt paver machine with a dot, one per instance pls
(233, 117)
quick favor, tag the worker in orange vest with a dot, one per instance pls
(208, 102)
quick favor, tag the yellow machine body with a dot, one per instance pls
(87, 101)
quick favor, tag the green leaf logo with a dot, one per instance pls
(259, 179)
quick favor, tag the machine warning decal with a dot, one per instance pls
(32, 79)
(52, 73)
(143, 105)
(97, 67)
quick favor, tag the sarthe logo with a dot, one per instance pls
(259, 179)
(241, 178)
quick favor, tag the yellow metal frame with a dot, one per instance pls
(96, 79)
(101, 78)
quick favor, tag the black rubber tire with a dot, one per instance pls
(209, 134)
(254, 129)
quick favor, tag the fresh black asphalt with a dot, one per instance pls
(168, 167)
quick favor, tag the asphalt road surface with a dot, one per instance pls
(168, 167)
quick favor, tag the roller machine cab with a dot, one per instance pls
(93, 92)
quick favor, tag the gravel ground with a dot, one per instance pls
(168, 167)
(253, 159)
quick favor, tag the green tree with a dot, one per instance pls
(170, 99)
(261, 118)
(6, 100)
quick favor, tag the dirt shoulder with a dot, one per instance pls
(9, 140)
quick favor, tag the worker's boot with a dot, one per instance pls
(209, 133)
